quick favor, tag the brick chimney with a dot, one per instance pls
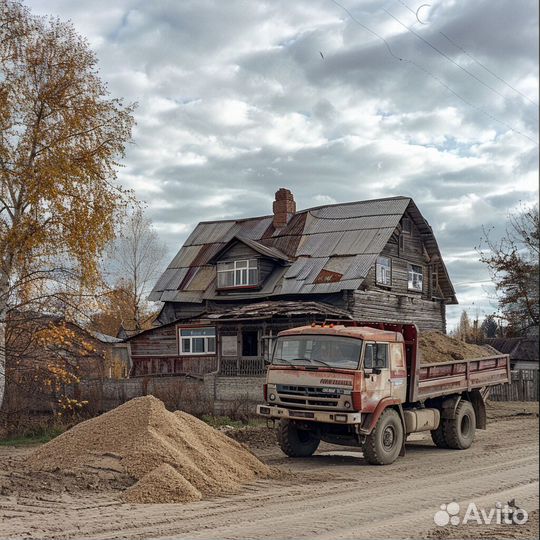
(284, 207)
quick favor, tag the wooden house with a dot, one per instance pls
(235, 283)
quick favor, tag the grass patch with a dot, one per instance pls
(38, 437)
(222, 421)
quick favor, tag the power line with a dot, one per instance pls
(487, 69)
(415, 13)
(430, 74)
(450, 59)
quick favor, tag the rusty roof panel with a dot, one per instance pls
(287, 244)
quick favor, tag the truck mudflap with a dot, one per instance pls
(328, 417)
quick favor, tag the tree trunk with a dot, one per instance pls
(4, 293)
(3, 312)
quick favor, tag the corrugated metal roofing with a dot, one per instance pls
(344, 239)
(318, 225)
(202, 279)
(185, 256)
(380, 207)
(360, 267)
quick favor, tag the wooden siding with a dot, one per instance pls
(413, 252)
(158, 341)
(238, 251)
(388, 307)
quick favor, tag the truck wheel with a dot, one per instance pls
(383, 444)
(459, 431)
(437, 435)
(296, 442)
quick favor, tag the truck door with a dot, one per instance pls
(398, 371)
(377, 371)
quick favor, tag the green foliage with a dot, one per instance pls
(37, 435)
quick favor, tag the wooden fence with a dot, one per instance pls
(524, 387)
(242, 367)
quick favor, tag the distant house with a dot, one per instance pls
(523, 351)
(235, 283)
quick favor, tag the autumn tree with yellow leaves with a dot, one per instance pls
(61, 138)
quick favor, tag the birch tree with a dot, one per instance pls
(138, 256)
(61, 136)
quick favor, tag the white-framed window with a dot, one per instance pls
(383, 271)
(416, 277)
(242, 273)
(194, 341)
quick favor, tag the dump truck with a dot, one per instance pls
(364, 384)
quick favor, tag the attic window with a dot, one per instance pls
(383, 271)
(241, 273)
(416, 278)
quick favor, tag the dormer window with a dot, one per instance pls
(240, 273)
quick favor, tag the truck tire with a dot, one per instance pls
(296, 442)
(459, 431)
(437, 435)
(383, 444)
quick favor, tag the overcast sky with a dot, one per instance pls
(240, 97)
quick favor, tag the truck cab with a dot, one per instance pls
(361, 385)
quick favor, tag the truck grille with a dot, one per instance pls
(307, 396)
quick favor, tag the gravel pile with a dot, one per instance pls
(438, 347)
(172, 457)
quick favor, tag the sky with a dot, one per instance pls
(336, 100)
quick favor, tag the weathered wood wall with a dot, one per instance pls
(387, 307)
(158, 341)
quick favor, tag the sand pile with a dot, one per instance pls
(438, 347)
(174, 457)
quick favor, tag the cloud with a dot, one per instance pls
(235, 101)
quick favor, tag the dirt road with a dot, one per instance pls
(331, 495)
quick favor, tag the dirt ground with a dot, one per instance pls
(333, 494)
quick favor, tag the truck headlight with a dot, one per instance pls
(347, 405)
(272, 397)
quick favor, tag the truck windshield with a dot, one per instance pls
(320, 351)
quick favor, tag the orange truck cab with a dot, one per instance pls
(363, 384)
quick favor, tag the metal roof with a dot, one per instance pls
(342, 241)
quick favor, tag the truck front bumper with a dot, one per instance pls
(274, 411)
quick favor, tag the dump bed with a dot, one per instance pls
(444, 378)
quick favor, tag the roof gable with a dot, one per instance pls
(257, 247)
